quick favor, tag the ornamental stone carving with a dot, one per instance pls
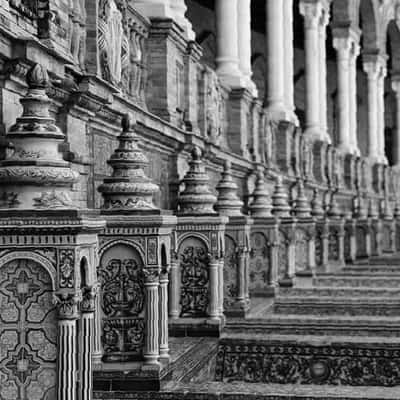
(35, 175)
(128, 189)
(113, 42)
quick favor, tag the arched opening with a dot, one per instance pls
(83, 268)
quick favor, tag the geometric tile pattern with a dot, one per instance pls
(28, 332)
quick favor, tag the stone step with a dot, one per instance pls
(373, 269)
(386, 260)
(309, 360)
(317, 325)
(377, 306)
(356, 280)
(256, 391)
(338, 291)
(188, 356)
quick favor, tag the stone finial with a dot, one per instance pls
(261, 205)
(196, 197)
(317, 209)
(280, 205)
(302, 207)
(334, 210)
(34, 174)
(372, 210)
(228, 202)
(128, 188)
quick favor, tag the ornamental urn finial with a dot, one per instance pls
(128, 189)
(316, 205)
(280, 203)
(34, 174)
(302, 207)
(228, 202)
(261, 205)
(196, 197)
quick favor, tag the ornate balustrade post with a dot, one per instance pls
(174, 288)
(67, 306)
(235, 296)
(135, 253)
(199, 246)
(264, 244)
(286, 234)
(38, 183)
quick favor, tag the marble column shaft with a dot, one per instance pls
(396, 144)
(163, 295)
(381, 113)
(214, 290)
(312, 13)
(354, 52)
(151, 350)
(85, 352)
(174, 290)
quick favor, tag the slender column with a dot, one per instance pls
(244, 43)
(323, 108)
(289, 59)
(312, 14)
(67, 305)
(396, 144)
(342, 46)
(221, 288)
(163, 293)
(86, 336)
(275, 26)
(151, 350)
(371, 68)
(179, 9)
(381, 114)
(174, 290)
(227, 43)
(154, 8)
(97, 348)
(241, 277)
(214, 289)
(354, 52)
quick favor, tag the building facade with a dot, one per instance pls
(164, 163)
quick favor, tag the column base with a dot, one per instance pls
(232, 79)
(316, 133)
(154, 10)
(279, 112)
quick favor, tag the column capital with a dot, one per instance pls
(67, 305)
(312, 12)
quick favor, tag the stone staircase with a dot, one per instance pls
(336, 336)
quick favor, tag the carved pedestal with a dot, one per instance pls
(236, 266)
(287, 251)
(388, 236)
(263, 270)
(397, 234)
(378, 177)
(336, 243)
(363, 238)
(132, 273)
(322, 244)
(350, 250)
(320, 161)
(349, 167)
(196, 284)
(305, 247)
(375, 236)
(48, 260)
(284, 134)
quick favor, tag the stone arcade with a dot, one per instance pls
(199, 199)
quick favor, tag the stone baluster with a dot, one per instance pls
(163, 295)
(67, 305)
(151, 350)
(174, 289)
(88, 305)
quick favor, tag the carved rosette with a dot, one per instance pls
(228, 201)
(34, 174)
(128, 188)
(261, 205)
(196, 198)
(280, 203)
